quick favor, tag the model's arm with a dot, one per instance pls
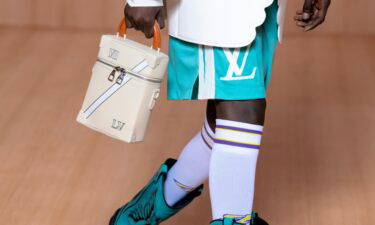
(141, 15)
(313, 14)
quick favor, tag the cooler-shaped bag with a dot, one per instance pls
(124, 86)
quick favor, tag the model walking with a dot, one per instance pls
(222, 51)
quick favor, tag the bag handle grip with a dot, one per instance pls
(157, 36)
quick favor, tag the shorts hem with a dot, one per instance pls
(218, 98)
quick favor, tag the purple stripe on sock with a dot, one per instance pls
(205, 128)
(210, 147)
(239, 129)
(237, 144)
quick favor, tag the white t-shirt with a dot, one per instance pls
(221, 23)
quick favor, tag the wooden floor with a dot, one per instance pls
(316, 165)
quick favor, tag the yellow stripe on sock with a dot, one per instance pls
(184, 187)
(246, 132)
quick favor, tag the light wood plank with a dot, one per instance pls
(316, 164)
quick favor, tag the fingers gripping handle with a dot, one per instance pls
(157, 36)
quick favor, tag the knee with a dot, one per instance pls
(211, 114)
(247, 111)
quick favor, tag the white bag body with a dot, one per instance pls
(124, 86)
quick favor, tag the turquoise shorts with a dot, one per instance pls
(206, 72)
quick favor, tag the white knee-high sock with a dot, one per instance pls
(232, 169)
(191, 168)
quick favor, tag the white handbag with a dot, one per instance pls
(124, 86)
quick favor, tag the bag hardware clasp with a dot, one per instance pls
(111, 76)
(120, 78)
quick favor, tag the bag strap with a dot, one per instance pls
(157, 36)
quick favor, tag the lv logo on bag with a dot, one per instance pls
(113, 53)
(118, 125)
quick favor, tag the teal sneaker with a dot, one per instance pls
(148, 206)
(255, 220)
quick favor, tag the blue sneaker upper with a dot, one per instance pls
(148, 206)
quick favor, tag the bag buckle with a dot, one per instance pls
(111, 76)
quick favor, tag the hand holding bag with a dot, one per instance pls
(124, 86)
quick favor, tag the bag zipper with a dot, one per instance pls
(124, 72)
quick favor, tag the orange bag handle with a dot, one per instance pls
(157, 36)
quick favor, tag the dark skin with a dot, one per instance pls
(313, 14)
(143, 18)
(248, 111)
